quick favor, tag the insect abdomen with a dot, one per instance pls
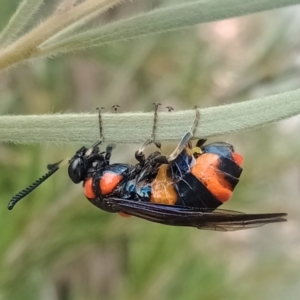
(212, 177)
(162, 188)
(215, 180)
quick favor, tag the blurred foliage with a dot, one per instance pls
(55, 245)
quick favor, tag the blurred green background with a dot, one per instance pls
(56, 246)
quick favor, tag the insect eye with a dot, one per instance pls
(76, 170)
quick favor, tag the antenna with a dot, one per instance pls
(52, 168)
(15, 199)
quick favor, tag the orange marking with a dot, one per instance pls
(88, 188)
(109, 181)
(124, 215)
(163, 191)
(206, 170)
(238, 158)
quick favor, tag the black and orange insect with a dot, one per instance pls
(182, 189)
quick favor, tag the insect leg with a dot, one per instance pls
(139, 154)
(100, 124)
(115, 107)
(183, 143)
(201, 142)
(109, 149)
(169, 108)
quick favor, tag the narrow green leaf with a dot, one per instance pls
(65, 5)
(161, 20)
(136, 127)
(24, 12)
(26, 46)
(74, 27)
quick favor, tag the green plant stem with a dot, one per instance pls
(136, 127)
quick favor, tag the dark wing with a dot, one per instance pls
(220, 220)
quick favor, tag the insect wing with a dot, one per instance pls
(218, 220)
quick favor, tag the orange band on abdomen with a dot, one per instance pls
(109, 182)
(88, 189)
(207, 171)
(238, 158)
